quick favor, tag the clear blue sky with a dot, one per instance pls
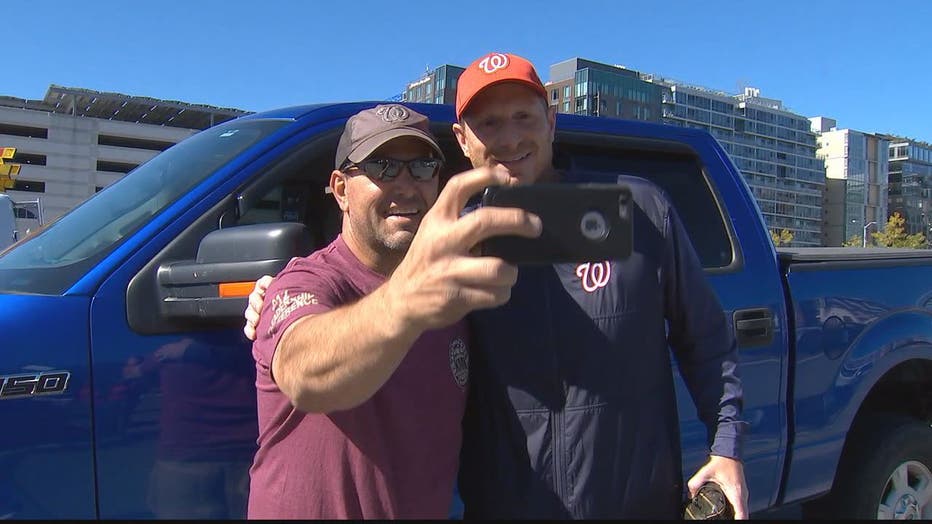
(868, 64)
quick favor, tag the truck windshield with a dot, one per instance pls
(51, 260)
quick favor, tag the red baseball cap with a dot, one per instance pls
(495, 68)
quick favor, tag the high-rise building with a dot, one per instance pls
(435, 87)
(75, 142)
(910, 183)
(583, 87)
(856, 169)
(774, 149)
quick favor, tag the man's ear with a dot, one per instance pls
(460, 135)
(552, 121)
(338, 189)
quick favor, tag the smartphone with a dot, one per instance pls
(581, 223)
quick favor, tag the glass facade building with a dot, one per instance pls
(774, 149)
(911, 183)
(856, 170)
(436, 87)
(583, 87)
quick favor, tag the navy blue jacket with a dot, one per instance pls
(572, 410)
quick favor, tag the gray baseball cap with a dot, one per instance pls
(367, 130)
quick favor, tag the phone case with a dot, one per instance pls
(581, 223)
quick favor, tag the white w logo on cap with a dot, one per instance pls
(493, 62)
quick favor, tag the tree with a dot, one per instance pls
(854, 241)
(782, 238)
(894, 235)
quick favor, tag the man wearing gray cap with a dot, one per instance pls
(361, 388)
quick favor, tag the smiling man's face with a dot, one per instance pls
(511, 125)
(380, 218)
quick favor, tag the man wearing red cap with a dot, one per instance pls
(572, 410)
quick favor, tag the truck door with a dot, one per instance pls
(177, 424)
(746, 280)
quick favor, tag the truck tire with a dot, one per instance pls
(885, 472)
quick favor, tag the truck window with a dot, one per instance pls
(679, 173)
(54, 258)
(301, 193)
(303, 199)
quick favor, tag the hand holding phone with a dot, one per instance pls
(581, 223)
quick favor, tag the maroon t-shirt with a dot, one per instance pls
(394, 456)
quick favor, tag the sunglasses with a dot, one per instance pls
(388, 169)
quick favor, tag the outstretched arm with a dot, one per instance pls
(332, 361)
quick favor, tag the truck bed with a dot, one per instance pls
(837, 257)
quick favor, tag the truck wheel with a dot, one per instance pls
(885, 473)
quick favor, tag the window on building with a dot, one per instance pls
(115, 167)
(566, 91)
(554, 95)
(30, 186)
(721, 107)
(29, 158)
(26, 131)
(135, 143)
(566, 106)
(21, 212)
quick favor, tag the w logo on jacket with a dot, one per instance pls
(594, 275)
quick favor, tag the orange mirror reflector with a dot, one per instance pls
(236, 289)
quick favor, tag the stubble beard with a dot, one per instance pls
(390, 242)
(397, 243)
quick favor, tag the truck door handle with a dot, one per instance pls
(753, 327)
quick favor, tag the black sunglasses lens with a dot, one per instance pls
(381, 169)
(424, 169)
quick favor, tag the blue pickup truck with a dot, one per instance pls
(127, 386)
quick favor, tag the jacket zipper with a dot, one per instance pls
(558, 430)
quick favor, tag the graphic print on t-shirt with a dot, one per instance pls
(459, 362)
(283, 305)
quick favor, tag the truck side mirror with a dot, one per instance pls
(216, 284)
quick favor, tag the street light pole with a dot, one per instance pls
(864, 237)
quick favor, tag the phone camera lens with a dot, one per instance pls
(623, 206)
(593, 226)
